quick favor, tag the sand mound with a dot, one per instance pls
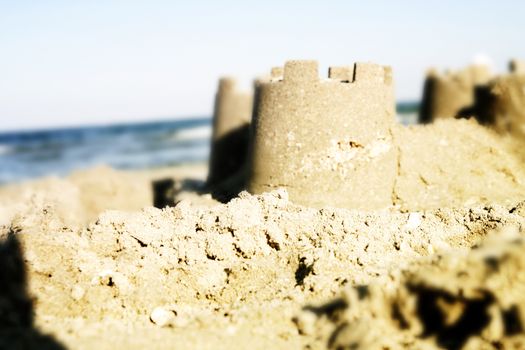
(78, 199)
(83, 263)
(456, 301)
(237, 273)
(455, 162)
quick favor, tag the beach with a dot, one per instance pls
(262, 175)
(100, 267)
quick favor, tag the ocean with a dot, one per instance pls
(30, 154)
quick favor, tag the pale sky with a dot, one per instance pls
(66, 63)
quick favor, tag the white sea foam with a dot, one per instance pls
(199, 132)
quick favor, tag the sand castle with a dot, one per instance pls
(327, 141)
(501, 102)
(231, 120)
(506, 106)
(451, 94)
(87, 262)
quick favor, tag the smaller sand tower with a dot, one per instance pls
(231, 129)
(501, 102)
(451, 94)
(327, 141)
(508, 100)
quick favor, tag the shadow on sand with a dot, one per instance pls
(17, 329)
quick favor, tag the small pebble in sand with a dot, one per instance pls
(77, 292)
(413, 222)
(305, 322)
(162, 317)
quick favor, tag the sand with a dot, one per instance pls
(455, 163)
(87, 262)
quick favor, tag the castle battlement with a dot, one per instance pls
(472, 75)
(228, 84)
(277, 73)
(321, 138)
(300, 72)
(344, 74)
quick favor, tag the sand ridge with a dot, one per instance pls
(244, 267)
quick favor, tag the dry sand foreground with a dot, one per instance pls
(442, 268)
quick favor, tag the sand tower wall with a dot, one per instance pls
(327, 141)
(235, 181)
(508, 96)
(451, 94)
(501, 103)
(230, 139)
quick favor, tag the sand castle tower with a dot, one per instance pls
(451, 94)
(327, 141)
(231, 129)
(501, 102)
(508, 100)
